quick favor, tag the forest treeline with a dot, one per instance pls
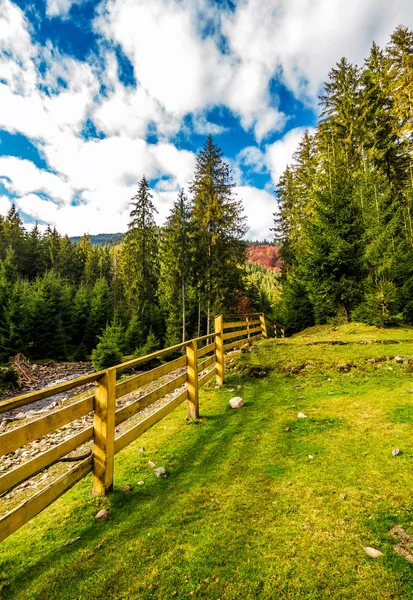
(345, 206)
(159, 286)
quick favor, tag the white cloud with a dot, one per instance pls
(259, 208)
(60, 8)
(5, 205)
(22, 177)
(180, 71)
(280, 153)
(101, 175)
(173, 64)
(300, 40)
(275, 157)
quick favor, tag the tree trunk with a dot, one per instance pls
(183, 310)
(199, 315)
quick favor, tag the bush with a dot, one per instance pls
(9, 377)
(151, 344)
(379, 307)
(107, 353)
(297, 310)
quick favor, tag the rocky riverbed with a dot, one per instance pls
(18, 417)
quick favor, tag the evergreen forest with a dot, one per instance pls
(343, 227)
(345, 204)
(159, 286)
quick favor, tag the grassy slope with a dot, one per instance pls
(245, 513)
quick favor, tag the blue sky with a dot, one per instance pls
(95, 94)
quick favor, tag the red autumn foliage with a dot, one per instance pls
(265, 255)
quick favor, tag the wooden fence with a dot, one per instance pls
(231, 331)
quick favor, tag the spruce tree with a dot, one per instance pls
(138, 260)
(175, 268)
(218, 227)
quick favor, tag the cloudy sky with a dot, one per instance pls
(95, 94)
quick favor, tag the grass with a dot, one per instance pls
(245, 513)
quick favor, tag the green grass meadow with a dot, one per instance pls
(245, 513)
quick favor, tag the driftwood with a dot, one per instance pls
(21, 364)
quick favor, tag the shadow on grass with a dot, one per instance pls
(401, 414)
(220, 448)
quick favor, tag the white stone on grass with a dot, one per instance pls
(103, 514)
(236, 402)
(372, 552)
(161, 472)
(301, 415)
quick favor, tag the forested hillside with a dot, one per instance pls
(345, 205)
(265, 254)
(158, 287)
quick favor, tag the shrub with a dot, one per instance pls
(107, 353)
(151, 344)
(379, 306)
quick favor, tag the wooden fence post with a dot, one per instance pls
(219, 349)
(263, 324)
(248, 330)
(104, 433)
(192, 374)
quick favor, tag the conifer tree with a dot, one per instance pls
(138, 260)
(175, 267)
(218, 229)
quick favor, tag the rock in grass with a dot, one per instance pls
(103, 514)
(395, 451)
(142, 449)
(161, 472)
(301, 415)
(141, 482)
(151, 464)
(310, 457)
(398, 359)
(236, 402)
(372, 552)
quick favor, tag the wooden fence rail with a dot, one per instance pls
(235, 330)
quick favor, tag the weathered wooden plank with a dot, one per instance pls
(234, 334)
(219, 351)
(43, 460)
(104, 434)
(206, 349)
(34, 505)
(256, 337)
(263, 324)
(232, 324)
(125, 413)
(19, 401)
(206, 363)
(235, 344)
(240, 315)
(192, 380)
(255, 329)
(129, 436)
(141, 359)
(21, 436)
(202, 380)
(132, 384)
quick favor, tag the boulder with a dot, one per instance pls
(236, 402)
(103, 514)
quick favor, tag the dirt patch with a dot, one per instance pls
(405, 543)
